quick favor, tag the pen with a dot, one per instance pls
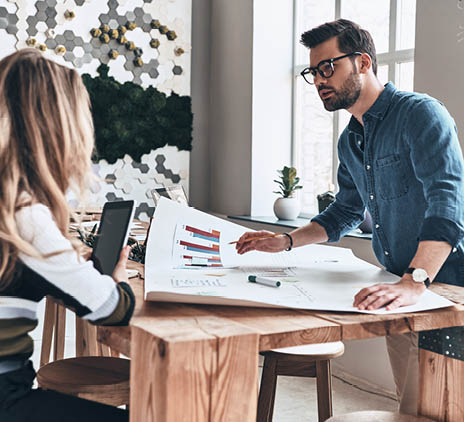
(266, 281)
(257, 238)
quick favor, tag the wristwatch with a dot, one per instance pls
(419, 275)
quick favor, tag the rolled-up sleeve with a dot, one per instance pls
(346, 212)
(437, 161)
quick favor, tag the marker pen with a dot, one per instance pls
(265, 281)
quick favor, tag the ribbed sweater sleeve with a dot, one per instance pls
(69, 278)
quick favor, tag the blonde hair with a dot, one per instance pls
(46, 141)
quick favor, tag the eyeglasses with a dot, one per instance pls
(325, 68)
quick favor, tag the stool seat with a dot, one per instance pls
(377, 416)
(312, 352)
(102, 379)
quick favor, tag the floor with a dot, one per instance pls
(295, 397)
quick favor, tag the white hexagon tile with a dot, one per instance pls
(162, 33)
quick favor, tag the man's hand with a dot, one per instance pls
(405, 292)
(120, 273)
(269, 244)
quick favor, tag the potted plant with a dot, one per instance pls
(287, 207)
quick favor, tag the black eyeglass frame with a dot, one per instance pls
(317, 69)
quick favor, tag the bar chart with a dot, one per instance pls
(196, 247)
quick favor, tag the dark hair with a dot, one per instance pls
(351, 37)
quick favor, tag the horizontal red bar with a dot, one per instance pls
(214, 234)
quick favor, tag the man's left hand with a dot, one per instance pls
(403, 293)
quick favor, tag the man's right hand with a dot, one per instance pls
(267, 244)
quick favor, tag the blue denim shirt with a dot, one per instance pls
(406, 167)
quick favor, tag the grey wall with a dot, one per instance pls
(222, 41)
(199, 189)
(230, 106)
(439, 55)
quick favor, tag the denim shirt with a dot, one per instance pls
(406, 167)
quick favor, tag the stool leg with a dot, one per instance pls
(60, 333)
(324, 389)
(47, 334)
(267, 390)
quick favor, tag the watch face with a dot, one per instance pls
(419, 275)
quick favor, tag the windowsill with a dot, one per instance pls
(292, 224)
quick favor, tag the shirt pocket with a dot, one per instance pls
(391, 177)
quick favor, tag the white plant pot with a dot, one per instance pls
(287, 208)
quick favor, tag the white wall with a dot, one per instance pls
(272, 99)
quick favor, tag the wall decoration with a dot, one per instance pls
(144, 42)
(132, 120)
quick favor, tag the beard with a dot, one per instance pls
(346, 96)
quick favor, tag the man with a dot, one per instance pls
(400, 158)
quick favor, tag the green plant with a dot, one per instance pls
(129, 119)
(288, 182)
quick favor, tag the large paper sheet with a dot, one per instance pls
(189, 259)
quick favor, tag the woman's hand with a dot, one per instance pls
(120, 273)
(268, 242)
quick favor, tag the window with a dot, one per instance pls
(392, 26)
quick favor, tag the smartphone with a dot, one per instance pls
(112, 234)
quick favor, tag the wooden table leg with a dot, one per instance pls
(200, 377)
(441, 387)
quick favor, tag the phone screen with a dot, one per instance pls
(112, 235)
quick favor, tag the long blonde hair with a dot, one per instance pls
(46, 141)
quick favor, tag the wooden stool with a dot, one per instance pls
(98, 378)
(377, 416)
(301, 361)
(54, 332)
(101, 379)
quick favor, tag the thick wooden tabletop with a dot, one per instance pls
(275, 327)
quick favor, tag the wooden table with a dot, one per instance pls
(200, 363)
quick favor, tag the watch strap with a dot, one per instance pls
(410, 270)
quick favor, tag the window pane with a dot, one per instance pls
(382, 74)
(405, 36)
(405, 76)
(373, 16)
(311, 13)
(343, 120)
(314, 131)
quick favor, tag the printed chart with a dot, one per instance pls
(196, 247)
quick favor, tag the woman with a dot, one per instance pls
(46, 140)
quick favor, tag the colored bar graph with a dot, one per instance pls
(214, 250)
(197, 247)
(212, 236)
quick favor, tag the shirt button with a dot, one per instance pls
(368, 167)
(455, 250)
(371, 196)
(359, 142)
(387, 253)
(377, 226)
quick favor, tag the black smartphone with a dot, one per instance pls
(112, 234)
